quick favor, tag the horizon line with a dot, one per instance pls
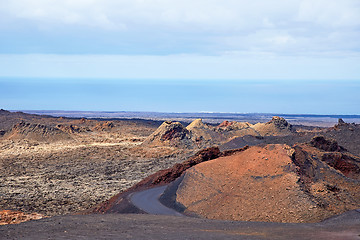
(200, 112)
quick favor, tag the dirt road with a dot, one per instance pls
(148, 201)
(144, 226)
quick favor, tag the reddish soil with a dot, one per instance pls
(274, 183)
(225, 124)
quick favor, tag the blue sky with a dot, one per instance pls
(156, 43)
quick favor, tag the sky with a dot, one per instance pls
(183, 47)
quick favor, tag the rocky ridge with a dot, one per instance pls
(200, 135)
(36, 132)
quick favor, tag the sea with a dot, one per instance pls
(304, 97)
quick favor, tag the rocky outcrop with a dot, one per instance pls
(343, 126)
(172, 134)
(4, 112)
(102, 126)
(341, 121)
(278, 126)
(328, 151)
(347, 164)
(82, 121)
(203, 135)
(230, 130)
(329, 145)
(2, 132)
(9, 119)
(197, 124)
(198, 134)
(227, 126)
(72, 128)
(280, 123)
(346, 134)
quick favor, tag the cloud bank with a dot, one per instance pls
(286, 38)
(282, 26)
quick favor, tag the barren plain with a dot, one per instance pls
(57, 166)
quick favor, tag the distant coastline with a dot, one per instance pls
(300, 119)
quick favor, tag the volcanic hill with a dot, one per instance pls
(273, 183)
(276, 127)
(37, 132)
(198, 135)
(172, 134)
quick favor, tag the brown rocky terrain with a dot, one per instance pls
(274, 183)
(170, 134)
(199, 135)
(238, 129)
(346, 134)
(308, 182)
(276, 127)
(57, 166)
(39, 132)
(120, 202)
(204, 135)
(61, 165)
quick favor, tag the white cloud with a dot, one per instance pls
(281, 26)
(338, 14)
(47, 14)
(214, 15)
